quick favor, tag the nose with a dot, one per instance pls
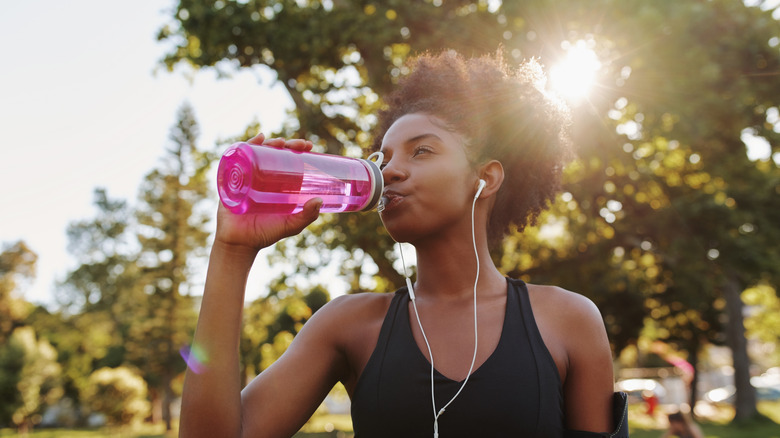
(391, 172)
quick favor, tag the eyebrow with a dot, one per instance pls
(423, 137)
(420, 137)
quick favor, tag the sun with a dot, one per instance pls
(574, 75)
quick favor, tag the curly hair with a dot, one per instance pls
(505, 115)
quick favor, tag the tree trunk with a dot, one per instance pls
(167, 400)
(745, 404)
(693, 359)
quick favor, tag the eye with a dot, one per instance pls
(422, 149)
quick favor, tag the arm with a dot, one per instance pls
(211, 399)
(284, 396)
(589, 381)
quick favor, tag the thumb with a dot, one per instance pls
(311, 209)
(302, 219)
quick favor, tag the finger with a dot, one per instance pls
(275, 142)
(298, 144)
(258, 139)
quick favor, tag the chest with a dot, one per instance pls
(514, 389)
(449, 336)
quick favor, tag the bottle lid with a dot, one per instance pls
(376, 178)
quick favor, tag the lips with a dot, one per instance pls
(390, 199)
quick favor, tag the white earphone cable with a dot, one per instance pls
(409, 286)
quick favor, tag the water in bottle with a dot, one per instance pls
(266, 179)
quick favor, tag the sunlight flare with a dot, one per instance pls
(574, 75)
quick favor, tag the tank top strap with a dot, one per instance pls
(551, 393)
(373, 370)
(538, 345)
(397, 309)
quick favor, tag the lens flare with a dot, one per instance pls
(194, 357)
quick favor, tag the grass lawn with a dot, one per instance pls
(712, 430)
(146, 432)
(333, 426)
(718, 426)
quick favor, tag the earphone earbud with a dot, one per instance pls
(482, 185)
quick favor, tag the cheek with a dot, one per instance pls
(452, 182)
(448, 196)
(442, 192)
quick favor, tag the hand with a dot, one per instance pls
(256, 231)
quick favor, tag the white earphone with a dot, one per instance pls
(482, 185)
(437, 412)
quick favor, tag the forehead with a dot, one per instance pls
(417, 125)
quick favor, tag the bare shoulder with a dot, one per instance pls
(346, 318)
(570, 324)
(353, 323)
(357, 308)
(574, 332)
(565, 306)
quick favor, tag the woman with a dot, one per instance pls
(470, 149)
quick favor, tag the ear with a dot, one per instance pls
(493, 174)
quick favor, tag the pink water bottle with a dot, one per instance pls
(266, 179)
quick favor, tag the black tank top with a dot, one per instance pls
(516, 393)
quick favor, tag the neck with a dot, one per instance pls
(447, 267)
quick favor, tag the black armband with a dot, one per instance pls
(619, 418)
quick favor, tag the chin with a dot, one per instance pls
(411, 235)
(401, 234)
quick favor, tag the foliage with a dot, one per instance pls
(17, 265)
(104, 278)
(270, 322)
(29, 378)
(119, 394)
(99, 297)
(335, 59)
(763, 323)
(171, 234)
(128, 300)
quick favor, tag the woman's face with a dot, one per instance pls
(429, 182)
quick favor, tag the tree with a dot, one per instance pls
(270, 323)
(696, 203)
(172, 234)
(119, 394)
(129, 296)
(100, 297)
(763, 321)
(29, 378)
(665, 212)
(17, 265)
(103, 247)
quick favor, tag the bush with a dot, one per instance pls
(117, 393)
(29, 378)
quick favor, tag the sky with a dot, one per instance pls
(85, 102)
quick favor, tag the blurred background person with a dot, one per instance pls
(680, 426)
